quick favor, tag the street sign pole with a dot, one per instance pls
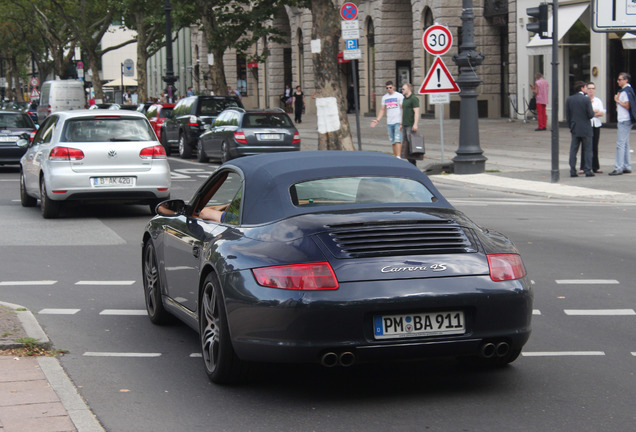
(350, 33)
(357, 105)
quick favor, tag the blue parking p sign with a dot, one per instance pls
(351, 44)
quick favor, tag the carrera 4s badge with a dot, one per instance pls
(397, 269)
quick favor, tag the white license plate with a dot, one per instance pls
(269, 137)
(113, 181)
(419, 325)
(8, 139)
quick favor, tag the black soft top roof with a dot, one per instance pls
(268, 179)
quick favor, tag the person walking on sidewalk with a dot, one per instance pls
(599, 111)
(410, 118)
(392, 106)
(540, 90)
(579, 112)
(623, 100)
(299, 104)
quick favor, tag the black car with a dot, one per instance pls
(336, 258)
(190, 115)
(13, 126)
(238, 132)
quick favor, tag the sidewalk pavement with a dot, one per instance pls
(37, 395)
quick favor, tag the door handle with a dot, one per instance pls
(196, 251)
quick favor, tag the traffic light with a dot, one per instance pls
(540, 26)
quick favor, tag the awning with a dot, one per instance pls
(128, 82)
(629, 41)
(568, 15)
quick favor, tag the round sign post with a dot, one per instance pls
(349, 11)
(35, 82)
(437, 40)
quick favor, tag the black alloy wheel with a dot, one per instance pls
(225, 153)
(152, 287)
(221, 363)
(201, 156)
(165, 144)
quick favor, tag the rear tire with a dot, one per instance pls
(185, 151)
(219, 359)
(25, 199)
(50, 209)
(201, 156)
(165, 144)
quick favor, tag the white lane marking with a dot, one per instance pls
(536, 312)
(634, 353)
(196, 355)
(95, 282)
(123, 312)
(120, 354)
(9, 180)
(51, 311)
(587, 282)
(600, 312)
(562, 353)
(25, 283)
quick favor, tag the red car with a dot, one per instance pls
(156, 115)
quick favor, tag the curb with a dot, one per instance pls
(80, 414)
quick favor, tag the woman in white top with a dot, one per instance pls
(599, 111)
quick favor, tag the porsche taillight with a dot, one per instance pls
(505, 267)
(312, 276)
(155, 152)
(66, 154)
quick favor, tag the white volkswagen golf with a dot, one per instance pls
(90, 156)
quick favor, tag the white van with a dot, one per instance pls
(60, 95)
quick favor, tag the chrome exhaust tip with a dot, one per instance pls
(329, 359)
(347, 359)
(488, 350)
(503, 348)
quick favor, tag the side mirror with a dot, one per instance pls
(171, 208)
(207, 127)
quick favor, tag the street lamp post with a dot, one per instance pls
(470, 158)
(170, 77)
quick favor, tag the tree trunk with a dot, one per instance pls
(142, 58)
(217, 74)
(329, 89)
(93, 64)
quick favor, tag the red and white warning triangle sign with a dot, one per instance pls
(439, 79)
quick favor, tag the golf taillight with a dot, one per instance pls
(239, 137)
(66, 154)
(505, 267)
(296, 139)
(312, 276)
(155, 152)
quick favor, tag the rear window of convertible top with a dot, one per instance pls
(359, 190)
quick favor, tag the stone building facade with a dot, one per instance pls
(391, 43)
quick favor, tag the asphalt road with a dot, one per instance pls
(81, 276)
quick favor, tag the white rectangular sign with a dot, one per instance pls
(350, 29)
(438, 98)
(352, 54)
(613, 15)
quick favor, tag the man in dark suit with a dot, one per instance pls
(578, 112)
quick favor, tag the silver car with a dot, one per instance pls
(94, 155)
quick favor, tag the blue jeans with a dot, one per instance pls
(395, 136)
(623, 158)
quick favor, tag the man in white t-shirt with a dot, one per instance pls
(623, 163)
(392, 105)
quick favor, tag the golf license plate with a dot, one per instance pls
(418, 325)
(113, 181)
(269, 137)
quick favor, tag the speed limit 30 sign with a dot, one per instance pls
(437, 40)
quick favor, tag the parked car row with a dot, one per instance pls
(14, 126)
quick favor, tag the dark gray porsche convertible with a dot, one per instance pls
(332, 257)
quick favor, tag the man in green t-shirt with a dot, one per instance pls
(410, 117)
